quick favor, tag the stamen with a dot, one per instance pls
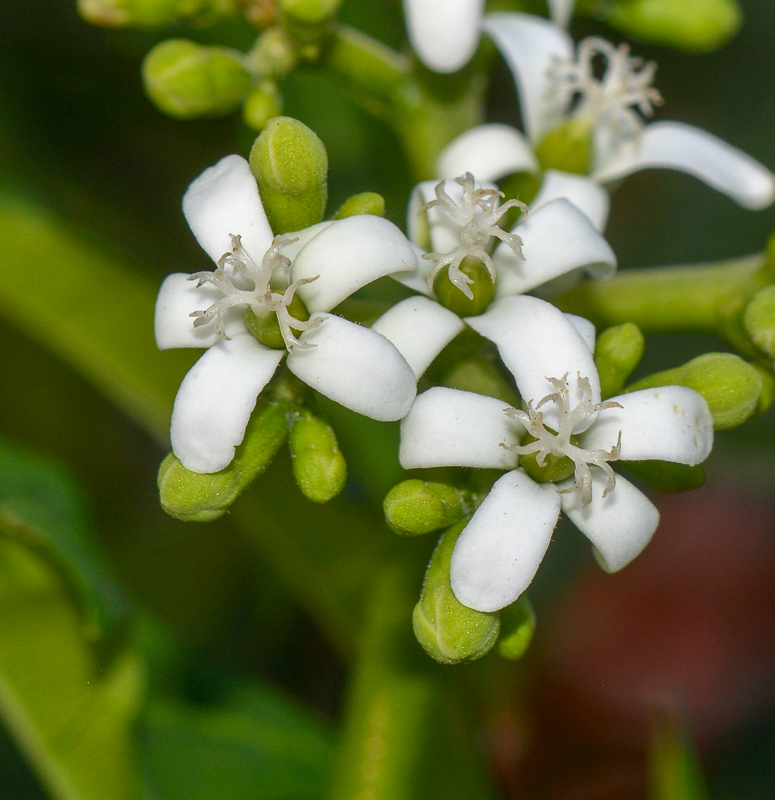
(613, 99)
(548, 442)
(476, 218)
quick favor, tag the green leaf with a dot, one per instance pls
(259, 746)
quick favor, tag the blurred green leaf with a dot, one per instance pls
(674, 769)
(259, 746)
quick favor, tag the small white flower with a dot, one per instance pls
(258, 276)
(557, 83)
(498, 553)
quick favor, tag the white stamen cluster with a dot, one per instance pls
(476, 218)
(612, 99)
(548, 442)
(235, 286)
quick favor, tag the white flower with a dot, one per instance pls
(445, 33)
(256, 281)
(500, 549)
(556, 83)
(459, 219)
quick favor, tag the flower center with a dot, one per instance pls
(476, 216)
(614, 98)
(242, 282)
(561, 443)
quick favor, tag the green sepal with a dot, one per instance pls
(481, 376)
(415, 507)
(363, 203)
(759, 320)
(262, 104)
(186, 80)
(194, 497)
(518, 623)
(447, 630)
(696, 26)
(666, 476)
(618, 351)
(451, 297)
(730, 386)
(291, 166)
(318, 465)
(567, 147)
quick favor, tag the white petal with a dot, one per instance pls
(499, 551)
(303, 237)
(585, 328)
(536, 342)
(673, 145)
(215, 401)
(561, 11)
(619, 525)
(356, 367)
(348, 255)
(450, 428)
(489, 152)
(586, 194)
(670, 423)
(174, 327)
(223, 201)
(420, 329)
(417, 278)
(556, 239)
(531, 46)
(443, 33)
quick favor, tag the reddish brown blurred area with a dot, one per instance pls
(689, 625)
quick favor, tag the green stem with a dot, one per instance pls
(701, 298)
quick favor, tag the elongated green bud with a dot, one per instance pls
(759, 320)
(730, 386)
(193, 497)
(318, 465)
(186, 80)
(518, 623)
(291, 166)
(697, 26)
(666, 476)
(415, 507)
(262, 104)
(449, 631)
(567, 148)
(617, 352)
(363, 203)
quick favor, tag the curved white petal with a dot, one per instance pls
(531, 46)
(451, 428)
(499, 551)
(585, 328)
(670, 423)
(536, 342)
(173, 324)
(348, 255)
(417, 278)
(587, 195)
(619, 525)
(420, 329)
(224, 201)
(556, 239)
(303, 237)
(215, 401)
(674, 145)
(561, 11)
(489, 152)
(443, 33)
(355, 367)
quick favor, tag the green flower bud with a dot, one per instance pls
(567, 148)
(767, 397)
(451, 297)
(666, 476)
(273, 55)
(447, 630)
(363, 203)
(137, 13)
(482, 377)
(193, 497)
(291, 167)
(186, 80)
(518, 623)
(759, 320)
(318, 465)
(693, 25)
(308, 19)
(617, 352)
(262, 104)
(730, 386)
(414, 507)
